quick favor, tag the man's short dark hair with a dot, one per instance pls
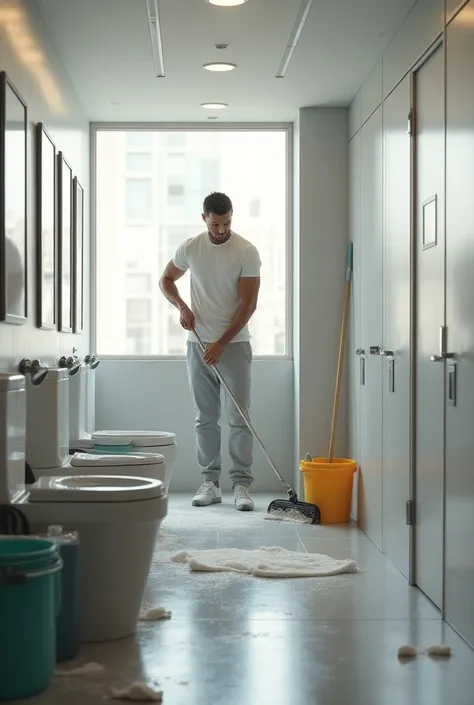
(217, 203)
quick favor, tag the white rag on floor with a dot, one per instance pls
(266, 562)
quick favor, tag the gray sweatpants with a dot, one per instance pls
(234, 365)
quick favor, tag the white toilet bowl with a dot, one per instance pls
(117, 517)
(114, 441)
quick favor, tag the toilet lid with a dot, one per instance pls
(95, 488)
(138, 438)
(96, 460)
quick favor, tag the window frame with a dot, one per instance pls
(287, 128)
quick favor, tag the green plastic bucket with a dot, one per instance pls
(28, 551)
(29, 604)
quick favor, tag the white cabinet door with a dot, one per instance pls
(396, 372)
(354, 360)
(459, 560)
(430, 318)
(370, 496)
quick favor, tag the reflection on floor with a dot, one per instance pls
(234, 639)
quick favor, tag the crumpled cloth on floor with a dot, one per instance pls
(265, 562)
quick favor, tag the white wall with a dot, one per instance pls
(29, 56)
(421, 28)
(321, 213)
(154, 395)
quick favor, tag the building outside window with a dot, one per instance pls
(141, 162)
(139, 199)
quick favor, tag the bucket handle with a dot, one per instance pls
(13, 577)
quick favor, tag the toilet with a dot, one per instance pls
(118, 518)
(47, 438)
(116, 442)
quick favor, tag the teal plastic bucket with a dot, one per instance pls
(29, 604)
(27, 551)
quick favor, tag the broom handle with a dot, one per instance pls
(340, 361)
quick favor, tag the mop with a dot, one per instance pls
(309, 513)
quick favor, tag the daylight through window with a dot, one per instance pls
(150, 188)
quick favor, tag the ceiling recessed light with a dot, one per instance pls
(226, 3)
(219, 66)
(214, 106)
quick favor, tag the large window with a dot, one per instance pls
(149, 190)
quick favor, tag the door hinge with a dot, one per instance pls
(411, 116)
(410, 511)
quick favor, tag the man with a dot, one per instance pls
(225, 280)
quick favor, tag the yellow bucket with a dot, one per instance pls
(329, 486)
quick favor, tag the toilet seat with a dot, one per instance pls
(95, 488)
(96, 460)
(142, 465)
(136, 438)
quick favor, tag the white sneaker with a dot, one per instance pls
(207, 494)
(243, 500)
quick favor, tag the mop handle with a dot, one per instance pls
(340, 360)
(245, 418)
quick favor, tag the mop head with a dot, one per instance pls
(294, 511)
(292, 515)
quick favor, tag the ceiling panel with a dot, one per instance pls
(106, 49)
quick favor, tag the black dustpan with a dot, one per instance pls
(311, 511)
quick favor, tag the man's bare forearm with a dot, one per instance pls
(241, 317)
(170, 291)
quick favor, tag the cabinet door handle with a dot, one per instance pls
(442, 357)
(452, 383)
(391, 375)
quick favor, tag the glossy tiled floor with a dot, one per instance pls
(237, 640)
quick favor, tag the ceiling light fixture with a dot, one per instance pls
(226, 3)
(294, 36)
(219, 66)
(155, 35)
(214, 106)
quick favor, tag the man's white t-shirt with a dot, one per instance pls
(215, 272)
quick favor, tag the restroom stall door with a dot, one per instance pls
(430, 319)
(354, 361)
(370, 495)
(459, 560)
(397, 324)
